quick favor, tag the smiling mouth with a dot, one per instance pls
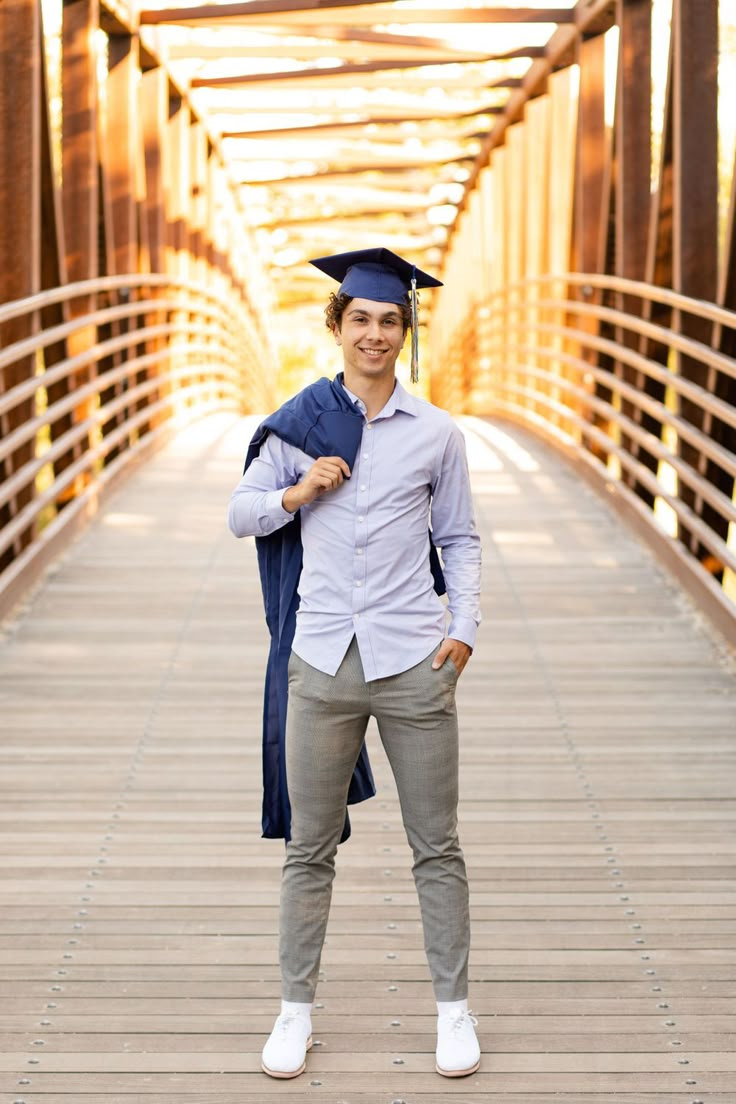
(373, 352)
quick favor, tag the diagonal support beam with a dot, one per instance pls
(394, 120)
(336, 71)
(351, 214)
(342, 32)
(347, 40)
(214, 13)
(386, 169)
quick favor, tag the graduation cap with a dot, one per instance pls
(383, 277)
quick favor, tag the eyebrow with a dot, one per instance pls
(387, 314)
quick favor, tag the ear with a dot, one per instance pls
(336, 332)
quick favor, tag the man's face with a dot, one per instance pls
(371, 335)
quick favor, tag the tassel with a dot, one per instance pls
(414, 329)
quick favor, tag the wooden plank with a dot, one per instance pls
(384, 1083)
(388, 973)
(655, 1026)
(413, 1011)
(510, 1043)
(192, 1065)
(461, 1096)
(413, 993)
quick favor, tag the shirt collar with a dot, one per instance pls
(400, 399)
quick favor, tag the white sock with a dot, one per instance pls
(296, 1006)
(443, 1007)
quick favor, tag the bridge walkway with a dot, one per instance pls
(138, 926)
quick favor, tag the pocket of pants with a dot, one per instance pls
(448, 667)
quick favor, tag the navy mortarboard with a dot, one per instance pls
(382, 277)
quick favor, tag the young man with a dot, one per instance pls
(370, 637)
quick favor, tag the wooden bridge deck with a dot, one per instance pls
(139, 905)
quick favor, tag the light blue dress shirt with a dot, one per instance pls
(366, 550)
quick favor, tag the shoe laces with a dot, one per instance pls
(288, 1019)
(460, 1020)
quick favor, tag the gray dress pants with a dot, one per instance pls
(417, 721)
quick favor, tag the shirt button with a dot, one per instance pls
(358, 582)
(369, 426)
(361, 518)
(362, 486)
(356, 616)
(365, 455)
(358, 551)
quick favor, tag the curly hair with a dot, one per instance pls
(336, 308)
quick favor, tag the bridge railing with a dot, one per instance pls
(636, 382)
(124, 363)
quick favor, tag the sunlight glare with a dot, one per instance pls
(504, 443)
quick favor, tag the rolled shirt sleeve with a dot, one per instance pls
(455, 533)
(256, 505)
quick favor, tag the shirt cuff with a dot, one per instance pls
(272, 507)
(464, 629)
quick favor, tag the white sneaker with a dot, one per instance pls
(287, 1046)
(458, 1052)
